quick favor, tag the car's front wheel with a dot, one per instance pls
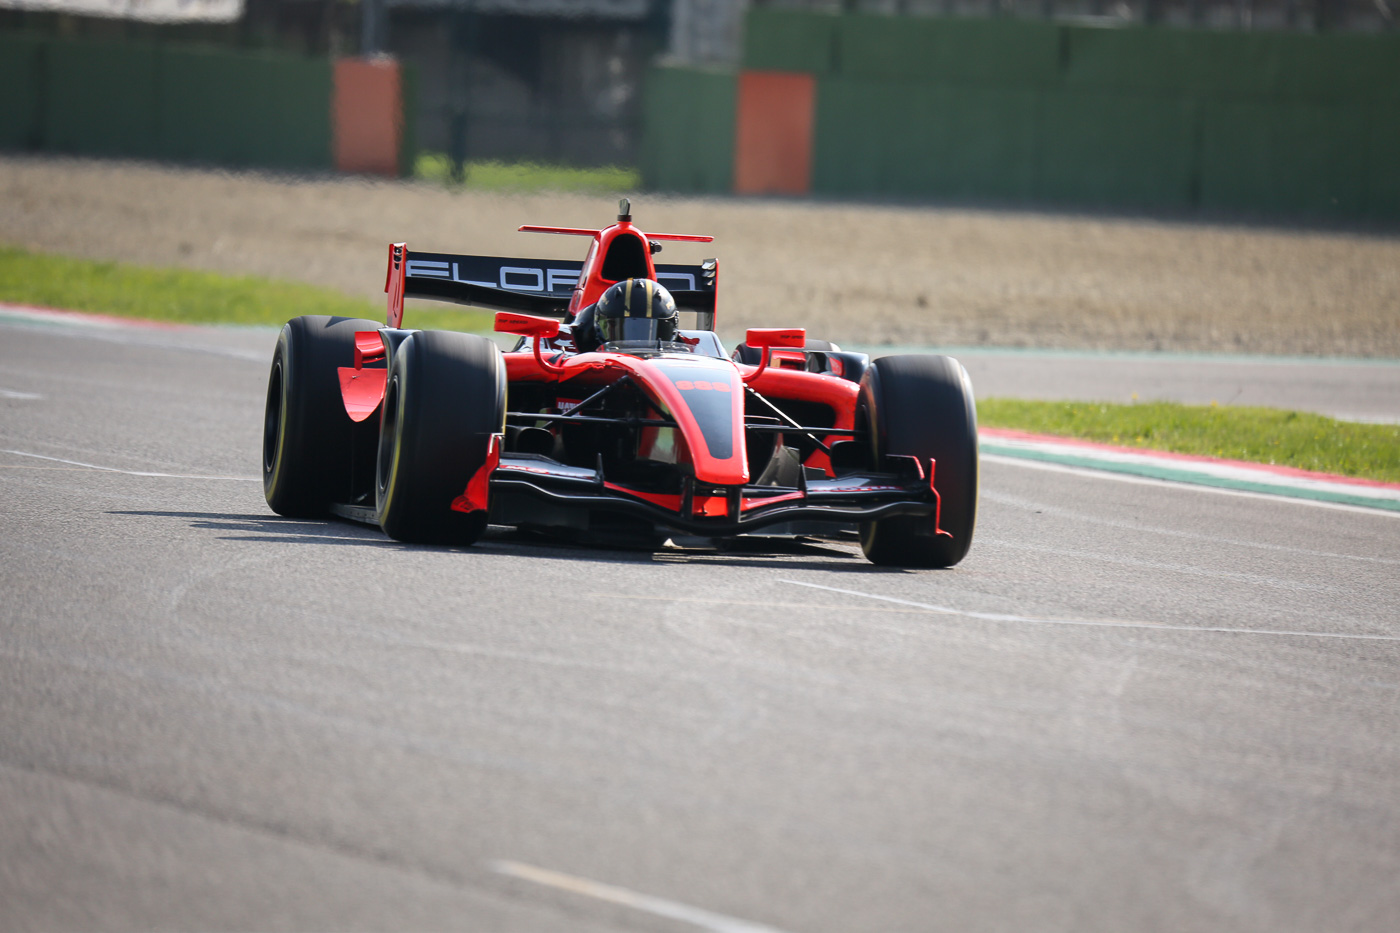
(444, 399)
(922, 406)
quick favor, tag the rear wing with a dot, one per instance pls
(535, 286)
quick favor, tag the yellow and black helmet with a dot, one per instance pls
(635, 310)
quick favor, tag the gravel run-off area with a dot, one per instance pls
(858, 273)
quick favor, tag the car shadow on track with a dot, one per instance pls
(757, 552)
(267, 527)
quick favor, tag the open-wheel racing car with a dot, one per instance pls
(615, 424)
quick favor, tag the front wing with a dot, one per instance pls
(535, 490)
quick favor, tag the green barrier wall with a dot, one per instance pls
(245, 109)
(1383, 159)
(1109, 149)
(1234, 65)
(1149, 117)
(905, 138)
(1297, 157)
(21, 77)
(408, 136)
(1167, 62)
(201, 100)
(985, 53)
(100, 98)
(688, 136)
(166, 102)
(788, 40)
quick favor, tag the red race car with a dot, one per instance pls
(616, 425)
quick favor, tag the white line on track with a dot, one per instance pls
(1031, 505)
(1095, 623)
(20, 396)
(107, 469)
(1171, 484)
(672, 910)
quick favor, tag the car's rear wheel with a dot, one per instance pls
(445, 397)
(309, 442)
(922, 406)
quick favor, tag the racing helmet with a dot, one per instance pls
(635, 310)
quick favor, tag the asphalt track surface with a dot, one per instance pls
(1134, 706)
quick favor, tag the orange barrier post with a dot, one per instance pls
(367, 115)
(773, 133)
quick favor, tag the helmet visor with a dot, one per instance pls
(635, 330)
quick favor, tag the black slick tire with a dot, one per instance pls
(444, 399)
(309, 442)
(923, 406)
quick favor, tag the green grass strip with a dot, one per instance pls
(190, 297)
(1258, 435)
(528, 176)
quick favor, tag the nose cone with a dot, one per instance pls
(706, 397)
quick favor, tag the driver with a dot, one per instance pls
(633, 310)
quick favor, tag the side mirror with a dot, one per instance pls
(793, 338)
(526, 325)
(766, 338)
